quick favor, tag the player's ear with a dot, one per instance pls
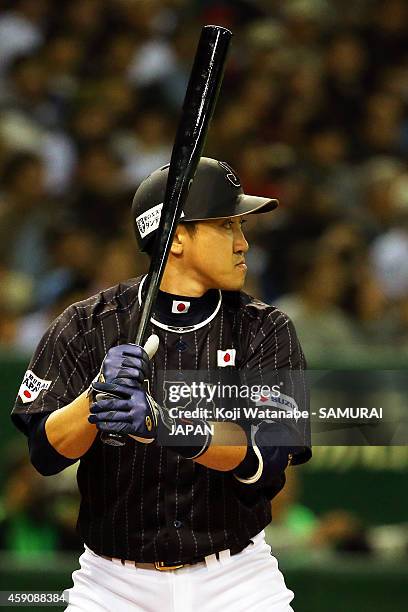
(177, 246)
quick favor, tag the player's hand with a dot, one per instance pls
(124, 410)
(126, 364)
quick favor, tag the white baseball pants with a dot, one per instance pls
(247, 582)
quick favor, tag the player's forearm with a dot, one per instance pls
(227, 449)
(68, 429)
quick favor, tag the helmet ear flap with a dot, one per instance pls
(147, 246)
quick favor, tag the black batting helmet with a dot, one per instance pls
(215, 193)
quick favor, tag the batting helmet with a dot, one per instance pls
(215, 193)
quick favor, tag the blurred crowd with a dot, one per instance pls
(313, 110)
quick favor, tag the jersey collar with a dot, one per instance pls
(183, 323)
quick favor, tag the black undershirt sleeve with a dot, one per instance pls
(46, 460)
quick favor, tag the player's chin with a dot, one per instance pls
(235, 282)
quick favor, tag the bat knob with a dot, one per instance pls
(151, 345)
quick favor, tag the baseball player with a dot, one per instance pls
(173, 519)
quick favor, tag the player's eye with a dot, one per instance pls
(229, 223)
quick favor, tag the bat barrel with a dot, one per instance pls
(198, 107)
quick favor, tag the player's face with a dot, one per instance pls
(215, 254)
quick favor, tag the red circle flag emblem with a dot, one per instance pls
(179, 306)
(32, 386)
(226, 358)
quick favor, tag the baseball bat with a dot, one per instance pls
(198, 107)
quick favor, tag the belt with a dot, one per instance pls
(163, 566)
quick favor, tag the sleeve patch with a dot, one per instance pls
(31, 387)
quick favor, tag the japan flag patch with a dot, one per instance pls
(31, 387)
(226, 358)
(180, 307)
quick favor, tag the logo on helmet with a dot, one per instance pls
(142, 226)
(149, 221)
(230, 176)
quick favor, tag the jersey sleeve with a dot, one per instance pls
(59, 370)
(272, 345)
(273, 369)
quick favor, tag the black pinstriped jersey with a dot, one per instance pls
(146, 502)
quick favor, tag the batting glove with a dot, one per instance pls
(122, 374)
(124, 410)
(121, 410)
(126, 364)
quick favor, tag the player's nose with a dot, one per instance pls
(240, 242)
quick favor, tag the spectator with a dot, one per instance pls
(24, 218)
(145, 147)
(100, 198)
(320, 281)
(21, 29)
(28, 92)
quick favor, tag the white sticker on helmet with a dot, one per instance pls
(149, 221)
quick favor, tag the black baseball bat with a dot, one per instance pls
(198, 107)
